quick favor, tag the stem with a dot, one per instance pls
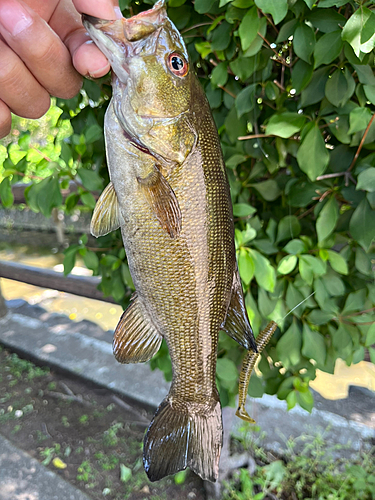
(194, 27)
(254, 136)
(41, 154)
(227, 91)
(280, 59)
(361, 143)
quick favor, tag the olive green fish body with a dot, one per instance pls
(169, 194)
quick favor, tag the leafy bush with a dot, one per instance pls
(292, 90)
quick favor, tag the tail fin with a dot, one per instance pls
(180, 437)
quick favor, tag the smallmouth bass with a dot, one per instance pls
(169, 194)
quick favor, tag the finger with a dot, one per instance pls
(20, 91)
(87, 58)
(39, 47)
(104, 9)
(5, 120)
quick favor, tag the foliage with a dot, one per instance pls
(310, 473)
(292, 91)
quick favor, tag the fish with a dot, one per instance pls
(170, 196)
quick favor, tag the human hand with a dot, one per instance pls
(44, 50)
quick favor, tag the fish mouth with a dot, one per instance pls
(120, 39)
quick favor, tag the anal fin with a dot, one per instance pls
(163, 201)
(237, 324)
(136, 339)
(106, 216)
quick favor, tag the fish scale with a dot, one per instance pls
(169, 193)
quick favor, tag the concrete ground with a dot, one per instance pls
(85, 349)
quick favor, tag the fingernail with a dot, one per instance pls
(118, 12)
(14, 18)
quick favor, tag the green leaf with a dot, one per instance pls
(314, 346)
(340, 87)
(293, 298)
(363, 262)
(226, 369)
(315, 91)
(366, 180)
(359, 118)
(246, 266)
(342, 342)
(203, 6)
(221, 36)
(249, 28)
(304, 42)
(319, 317)
(264, 273)
(370, 92)
(219, 75)
(235, 160)
(88, 200)
(328, 48)
(48, 195)
(362, 224)
(278, 10)
(93, 133)
(327, 219)
(70, 258)
(353, 28)
(90, 179)
(289, 346)
(312, 156)
(355, 301)
(288, 228)
(91, 260)
(326, 20)
(285, 124)
(257, 43)
(305, 400)
(301, 76)
(244, 67)
(6, 194)
(287, 264)
(243, 210)
(306, 271)
(370, 336)
(269, 189)
(365, 74)
(337, 262)
(203, 48)
(125, 473)
(245, 100)
(295, 247)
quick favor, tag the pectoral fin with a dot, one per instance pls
(163, 201)
(106, 216)
(237, 324)
(136, 339)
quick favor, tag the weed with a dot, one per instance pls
(64, 421)
(86, 474)
(308, 474)
(110, 437)
(84, 419)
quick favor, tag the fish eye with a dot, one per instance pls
(177, 64)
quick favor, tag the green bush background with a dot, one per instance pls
(293, 79)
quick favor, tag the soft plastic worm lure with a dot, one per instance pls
(247, 367)
(249, 362)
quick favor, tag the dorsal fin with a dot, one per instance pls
(106, 216)
(237, 324)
